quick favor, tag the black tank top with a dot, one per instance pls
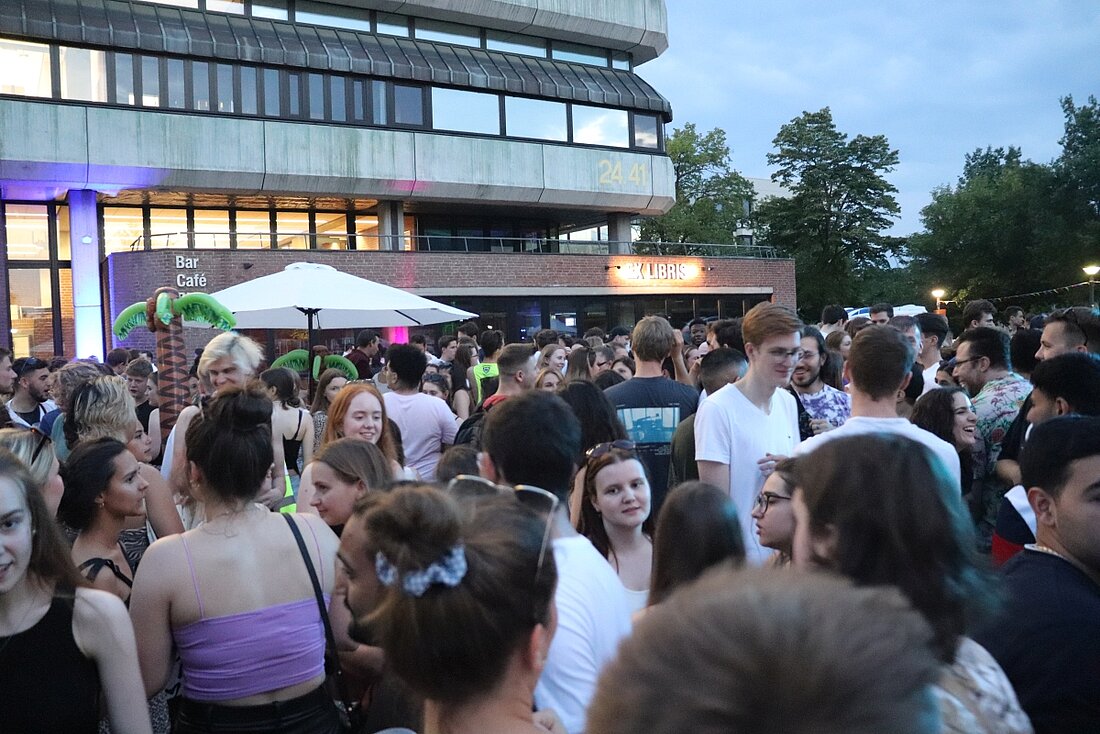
(291, 448)
(143, 412)
(47, 683)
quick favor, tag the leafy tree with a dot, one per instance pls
(832, 224)
(1079, 164)
(710, 196)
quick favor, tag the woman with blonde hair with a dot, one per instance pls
(555, 356)
(36, 452)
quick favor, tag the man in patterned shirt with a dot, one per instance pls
(828, 407)
(984, 368)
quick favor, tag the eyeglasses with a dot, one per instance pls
(43, 439)
(435, 379)
(602, 448)
(764, 501)
(536, 498)
(782, 355)
(27, 364)
(964, 361)
(1070, 315)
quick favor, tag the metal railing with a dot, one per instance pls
(434, 243)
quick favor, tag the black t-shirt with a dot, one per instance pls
(34, 416)
(650, 409)
(1013, 442)
(143, 412)
(1047, 640)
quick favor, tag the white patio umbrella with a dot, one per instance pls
(321, 297)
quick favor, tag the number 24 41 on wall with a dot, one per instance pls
(611, 173)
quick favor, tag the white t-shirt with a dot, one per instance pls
(426, 424)
(861, 425)
(930, 378)
(593, 616)
(730, 429)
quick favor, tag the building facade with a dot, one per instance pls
(490, 154)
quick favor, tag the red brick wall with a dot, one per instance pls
(133, 276)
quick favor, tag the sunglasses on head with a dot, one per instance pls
(28, 364)
(43, 439)
(602, 448)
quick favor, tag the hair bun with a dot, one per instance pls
(241, 408)
(414, 526)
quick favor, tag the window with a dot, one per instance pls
(645, 131)
(25, 69)
(124, 79)
(514, 43)
(249, 91)
(226, 6)
(333, 17)
(295, 98)
(408, 105)
(578, 54)
(359, 111)
(393, 25)
(253, 230)
(316, 96)
(31, 302)
(331, 230)
(200, 85)
(272, 107)
(338, 102)
(83, 74)
(212, 228)
(535, 118)
(366, 233)
(150, 81)
(379, 102)
(122, 229)
(64, 246)
(459, 35)
(620, 60)
(177, 97)
(273, 9)
(194, 4)
(167, 228)
(292, 230)
(28, 232)
(600, 126)
(470, 112)
(227, 101)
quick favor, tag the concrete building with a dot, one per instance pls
(441, 146)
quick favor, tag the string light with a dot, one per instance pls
(1048, 291)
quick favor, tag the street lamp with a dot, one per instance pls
(1091, 271)
(939, 293)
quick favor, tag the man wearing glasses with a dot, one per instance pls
(31, 397)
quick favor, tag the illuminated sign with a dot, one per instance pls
(657, 271)
(192, 279)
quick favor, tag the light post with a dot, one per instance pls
(1091, 271)
(939, 293)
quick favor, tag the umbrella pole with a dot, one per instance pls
(309, 338)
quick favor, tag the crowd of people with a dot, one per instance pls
(752, 524)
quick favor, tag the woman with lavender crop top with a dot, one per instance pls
(233, 596)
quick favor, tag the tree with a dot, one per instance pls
(832, 224)
(1079, 164)
(711, 197)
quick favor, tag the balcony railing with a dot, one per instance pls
(433, 243)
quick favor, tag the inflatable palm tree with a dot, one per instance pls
(163, 313)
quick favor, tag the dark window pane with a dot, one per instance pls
(124, 79)
(226, 102)
(295, 92)
(338, 99)
(378, 103)
(200, 85)
(408, 105)
(316, 97)
(358, 102)
(150, 81)
(271, 93)
(248, 90)
(176, 95)
(645, 131)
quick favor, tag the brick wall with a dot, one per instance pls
(133, 276)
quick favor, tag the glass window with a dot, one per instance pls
(28, 232)
(408, 105)
(295, 97)
(150, 81)
(124, 79)
(393, 25)
(83, 74)
(274, 9)
(226, 97)
(620, 60)
(293, 230)
(200, 85)
(194, 4)
(253, 230)
(332, 230)
(167, 228)
(272, 108)
(316, 96)
(600, 126)
(338, 98)
(328, 15)
(471, 112)
(123, 230)
(177, 98)
(358, 101)
(514, 43)
(64, 247)
(25, 69)
(68, 324)
(212, 228)
(378, 102)
(645, 131)
(366, 231)
(31, 301)
(577, 53)
(459, 35)
(226, 6)
(249, 103)
(535, 118)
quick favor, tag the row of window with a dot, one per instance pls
(64, 72)
(389, 24)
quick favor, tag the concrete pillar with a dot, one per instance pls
(619, 232)
(391, 225)
(87, 298)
